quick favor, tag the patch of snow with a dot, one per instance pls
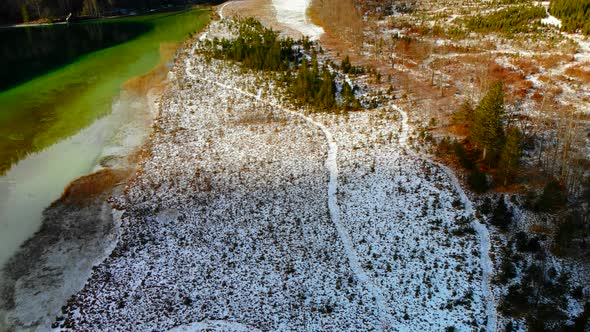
(483, 233)
(551, 20)
(293, 13)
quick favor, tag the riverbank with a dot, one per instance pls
(248, 213)
(54, 128)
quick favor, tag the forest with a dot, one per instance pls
(511, 20)
(306, 81)
(21, 11)
(574, 14)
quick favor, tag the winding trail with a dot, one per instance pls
(334, 209)
(220, 11)
(482, 232)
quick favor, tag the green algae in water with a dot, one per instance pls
(56, 105)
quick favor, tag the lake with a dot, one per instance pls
(62, 100)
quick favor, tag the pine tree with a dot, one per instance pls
(510, 157)
(325, 97)
(502, 216)
(488, 128)
(464, 116)
(346, 66)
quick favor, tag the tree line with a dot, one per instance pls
(495, 141)
(510, 20)
(574, 14)
(18, 11)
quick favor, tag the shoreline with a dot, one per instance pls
(78, 231)
(101, 18)
(157, 217)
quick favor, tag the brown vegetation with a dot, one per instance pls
(528, 66)
(580, 72)
(86, 188)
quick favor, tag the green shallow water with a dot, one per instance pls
(42, 111)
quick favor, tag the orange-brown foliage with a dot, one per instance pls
(528, 66)
(579, 72)
(87, 187)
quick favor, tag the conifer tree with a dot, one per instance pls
(502, 216)
(488, 131)
(346, 66)
(325, 98)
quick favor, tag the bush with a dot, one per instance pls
(571, 234)
(486, 206)
(502, 216)
(524, 244)
(507, 271)
(552, 198)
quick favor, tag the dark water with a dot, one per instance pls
(32, 51)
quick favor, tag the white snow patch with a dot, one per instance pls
(551, 20)
(481, 229)
(293, 13)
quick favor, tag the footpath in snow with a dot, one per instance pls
(481, 229)
(332, 167)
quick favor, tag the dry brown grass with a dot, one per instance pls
(552, 61)
(339, 18)
(528, 66)
(541, 230)
(579, 72)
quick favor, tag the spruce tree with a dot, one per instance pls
(346, 66)
(488, 131)
(502, 216)
(325, 96)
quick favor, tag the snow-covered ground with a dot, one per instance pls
(293, 14)
(551, 20)
(249, 214)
